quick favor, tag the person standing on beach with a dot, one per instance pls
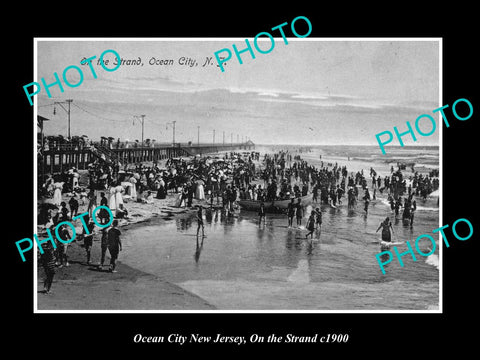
(391, 200)
(184, 197)
(318, 219)
(161, 193)
(114, 244)
(190, 195)
(351, 198)
(333, 196)
(73, 203)
(103, 214)
(311, 225)
(398, 205)
(211, 195)
(200, 221)
(233, 198)
(111, 198)
(57, 194)
(88, 240)
(366, 197)
(299, 212)
(47, 260)
(291, 212)
(412, 212)
(63, 212)
(104, 245)
(339, 193)
(118, 195)
(315, 194)
(92, 202)
(261, 213)
(62, 247)
(386, 226)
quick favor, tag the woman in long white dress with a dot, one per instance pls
(112, 204)
(133, 188)
(49, 184)
(200, 192)
(118, 195)
(57, 193)
(180, 198)
(75, 178)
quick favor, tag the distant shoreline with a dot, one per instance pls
(351, 145)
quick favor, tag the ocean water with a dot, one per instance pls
(240, 265)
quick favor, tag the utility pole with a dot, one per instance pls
(143, 120)
(174, 132)
(68, 101)
(172, 123)
(198, 135)
(213, 137)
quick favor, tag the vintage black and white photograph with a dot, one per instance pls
(169, 185)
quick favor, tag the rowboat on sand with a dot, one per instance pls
(276, 206)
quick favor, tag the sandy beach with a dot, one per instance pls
(86, 287)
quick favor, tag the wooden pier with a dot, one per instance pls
(57, 158)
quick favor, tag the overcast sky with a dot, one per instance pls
(311, 91)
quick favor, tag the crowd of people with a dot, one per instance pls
(287, 177)
(186, 179)
(233, 176)
(55, 255)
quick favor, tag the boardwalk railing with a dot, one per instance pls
(61, 157)
(104, 153)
